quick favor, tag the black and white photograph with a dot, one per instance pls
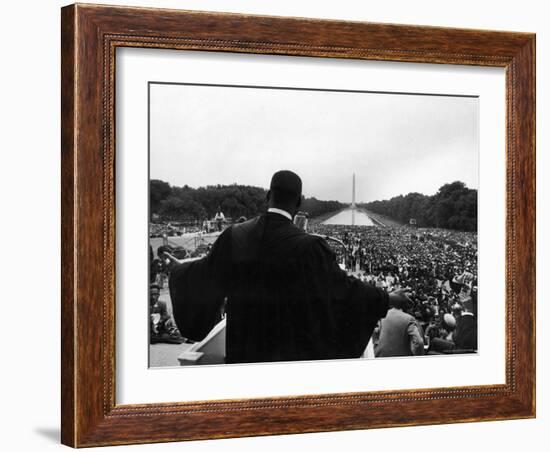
(293, 224)
(242, 226)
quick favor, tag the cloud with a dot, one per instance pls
(395, 143)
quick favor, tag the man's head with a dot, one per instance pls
(468, 305)
(399, 298)
(285, 191)
(154, 292)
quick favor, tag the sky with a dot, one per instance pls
(394, 143)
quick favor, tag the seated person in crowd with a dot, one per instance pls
(464, 337)
(161, 325)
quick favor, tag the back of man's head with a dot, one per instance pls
(399, 303)
(468, 304)
(285, 190)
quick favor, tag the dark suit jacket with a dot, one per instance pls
(287, 298)
(465, 335)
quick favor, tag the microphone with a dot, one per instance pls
(301, 220)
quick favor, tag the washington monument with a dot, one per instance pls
(352, 215)
(353, 201)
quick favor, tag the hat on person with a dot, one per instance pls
(286, 181)
(449, 320)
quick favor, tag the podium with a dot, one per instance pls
(211, 350)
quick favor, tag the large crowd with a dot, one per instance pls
(160, 228)
(168, 229)
(439, 267)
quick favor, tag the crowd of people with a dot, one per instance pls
(159, 229)
(164, 229)
(162, 326)
(438, 266)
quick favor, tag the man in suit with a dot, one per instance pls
(399, 334)
(286, 297)
(464, 338)
(465, 335)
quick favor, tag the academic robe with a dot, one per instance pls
(286, 297)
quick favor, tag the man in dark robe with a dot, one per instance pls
(465, 335)
(285, 296)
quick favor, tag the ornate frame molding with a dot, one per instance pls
(90, 37)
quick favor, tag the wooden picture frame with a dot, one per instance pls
(90, 36)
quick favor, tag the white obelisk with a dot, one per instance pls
(353, 201)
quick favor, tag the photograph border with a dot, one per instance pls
(90, 35)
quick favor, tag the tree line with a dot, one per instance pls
(454, 206)
(191, 204)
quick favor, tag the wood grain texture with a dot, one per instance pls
(67, 225)
(90, 36)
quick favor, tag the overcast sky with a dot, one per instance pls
(394, 143)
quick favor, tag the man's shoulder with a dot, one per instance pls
(318, 242)
(467, 321)
(399, 314)
(285, 236)
(247, 223)
(242, 230)
(292, 239)
(306, 241)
